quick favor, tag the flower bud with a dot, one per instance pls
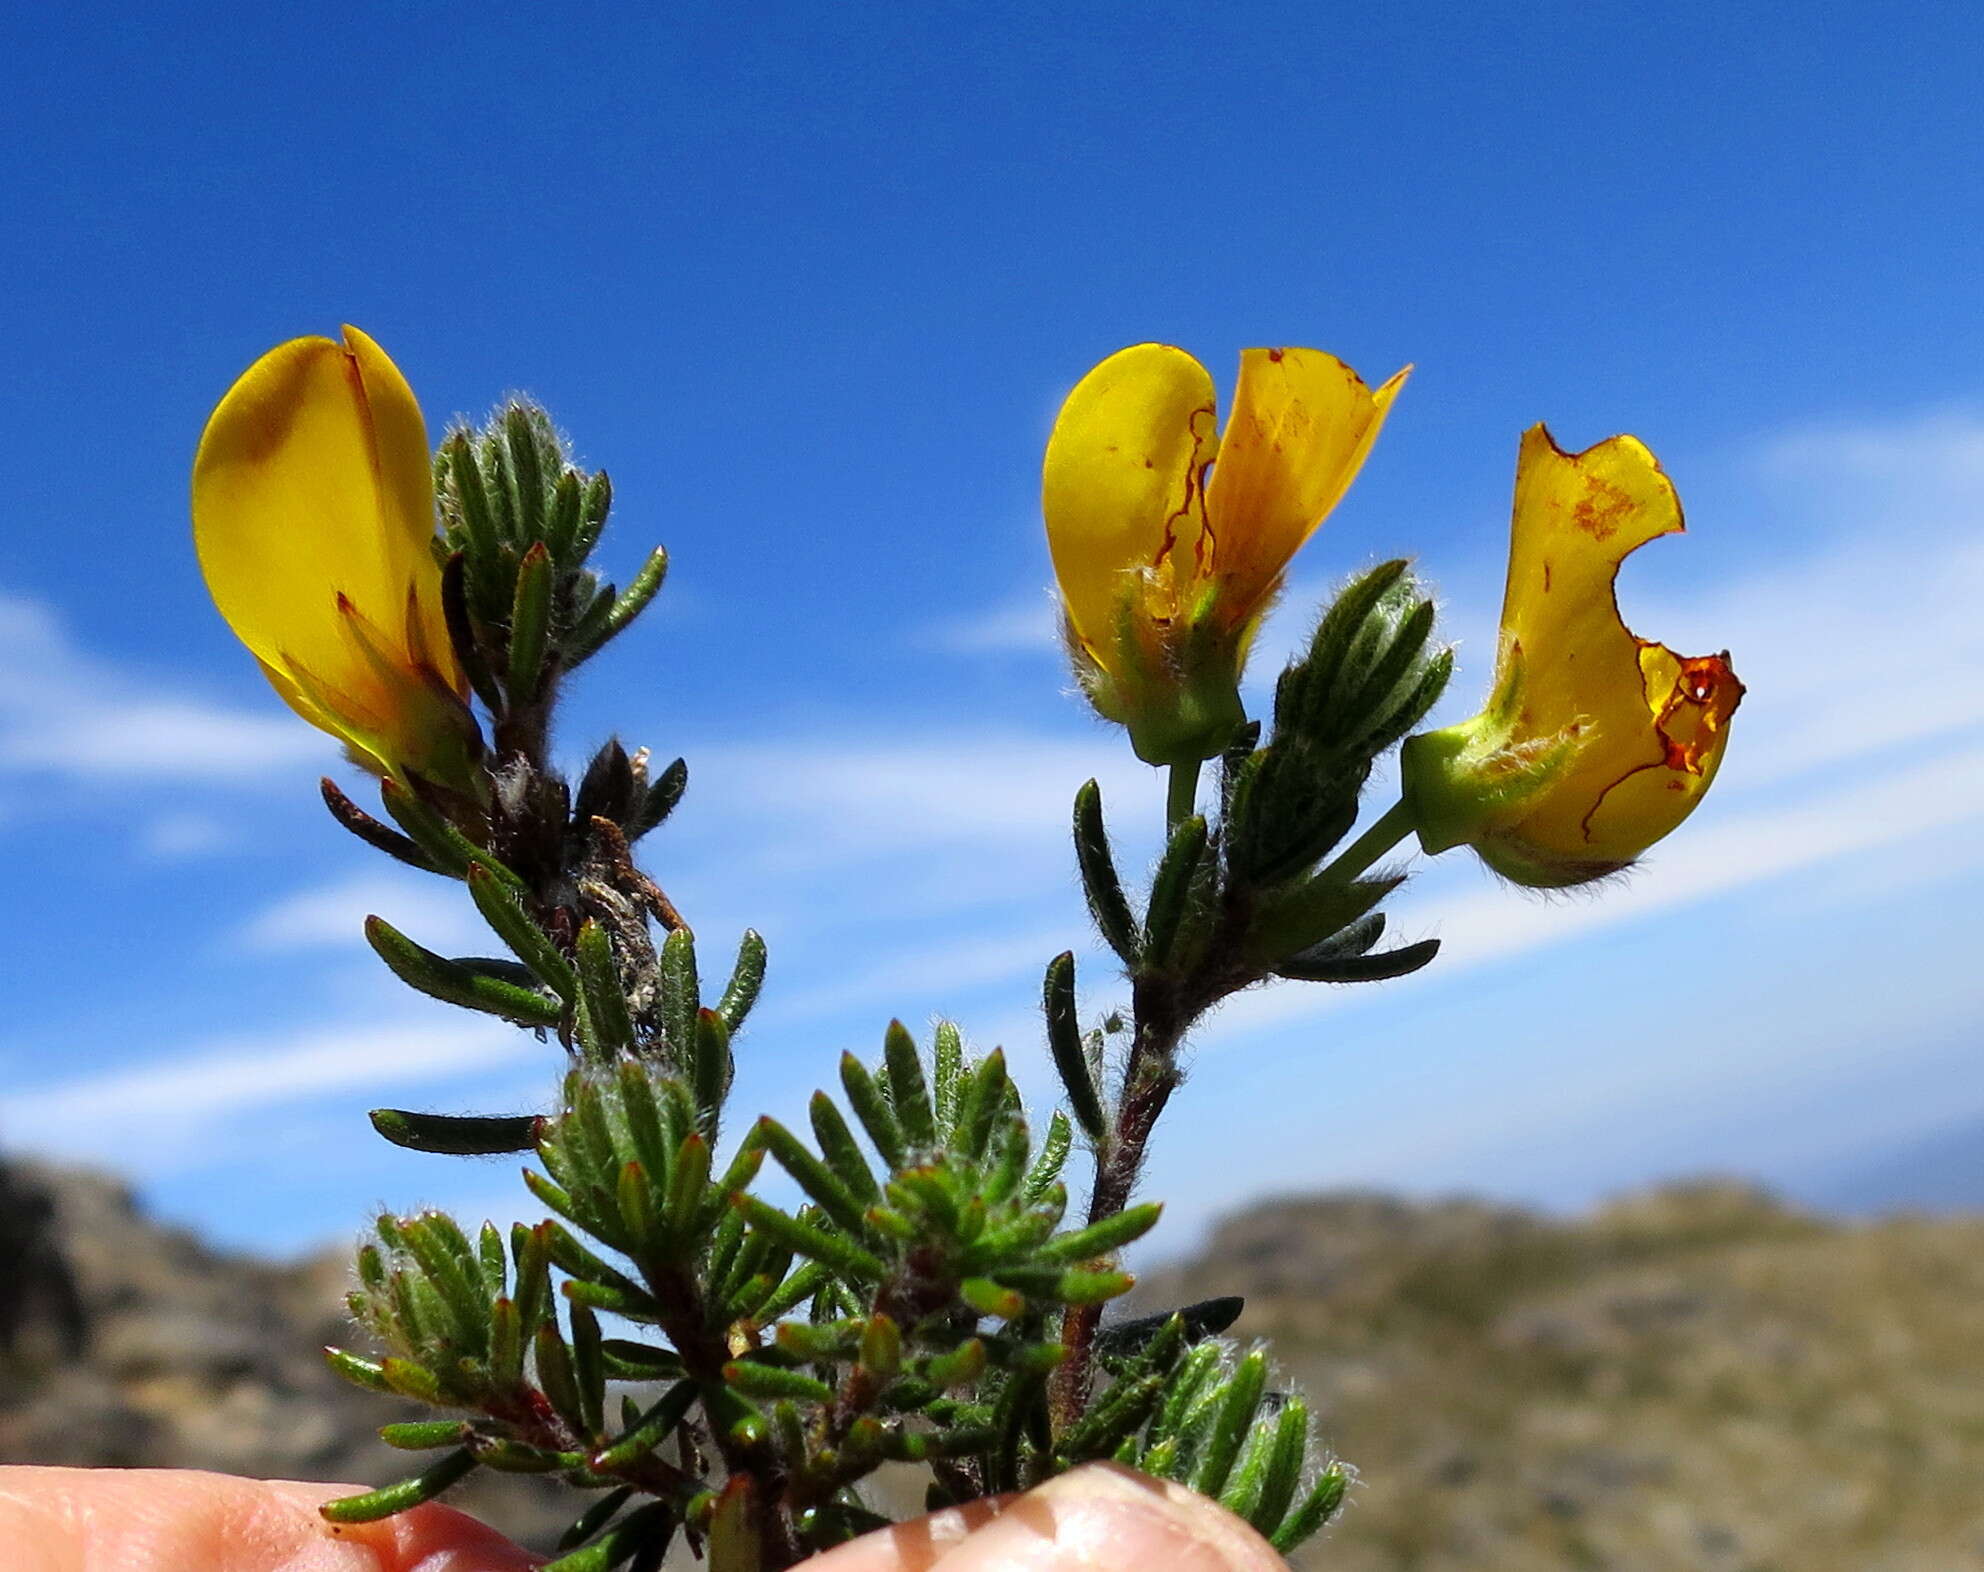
(313, 516)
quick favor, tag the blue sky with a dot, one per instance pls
(810, 282)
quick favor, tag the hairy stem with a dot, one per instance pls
(1393, 826)
(703, 1351)
(1181, 794)
(1149, 1079)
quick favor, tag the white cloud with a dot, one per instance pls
(68, 713)
(1711, 858)
(179, 1112)
(1727, 854)
(1863, 646)
(1025, 624)
(937, 971)
(988, 788)
(332, 916)
(1913, 455)
(174, 837)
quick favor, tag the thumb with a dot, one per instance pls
(1103, 1518)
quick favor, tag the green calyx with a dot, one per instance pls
(1467, 783)
(1174, 686)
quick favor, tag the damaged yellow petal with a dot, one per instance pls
(1690, 700)
(1597, 743)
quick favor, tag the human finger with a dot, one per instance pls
(178, 1520)
(1103, 1518)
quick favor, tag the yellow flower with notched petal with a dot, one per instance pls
(1165, 569)
(313, 515)
(1595, 743)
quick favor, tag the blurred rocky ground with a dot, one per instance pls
(126, 1342)
(1694, 1380)
(1699, 1379)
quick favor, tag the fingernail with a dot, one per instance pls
(1106, 1517)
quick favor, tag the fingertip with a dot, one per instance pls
(915, 1546)
(430, 1538)
(427, 1539)
(1107, 1516)
(114, 1520)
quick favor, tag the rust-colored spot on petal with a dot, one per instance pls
(1602, 508)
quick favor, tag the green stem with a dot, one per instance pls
(1181, 794)
(1381, 837)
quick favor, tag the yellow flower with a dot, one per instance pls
(1165, 572)
(1595, 743)
(313, 515)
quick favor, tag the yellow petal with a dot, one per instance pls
(406, 467)
(362, 733)
(1650, 724)
(1122, 485)
(312, 481)
(1301, 426)
(292, 693)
